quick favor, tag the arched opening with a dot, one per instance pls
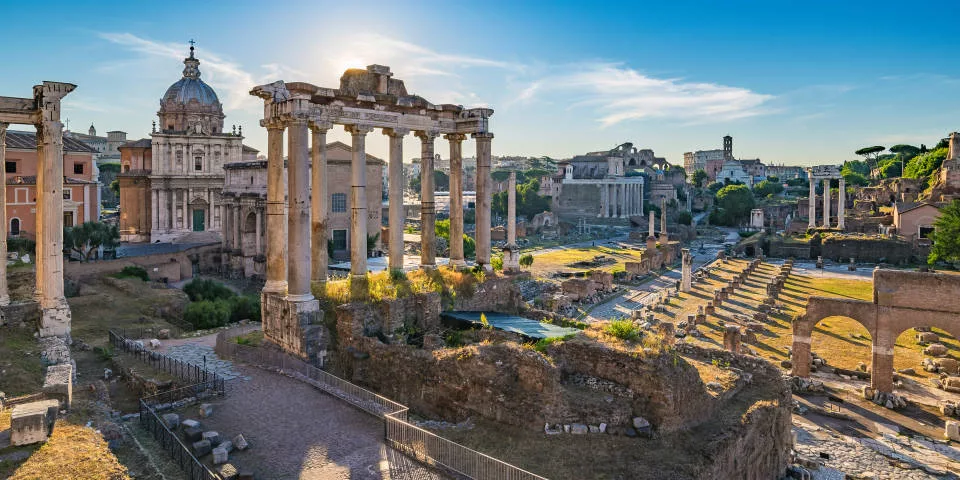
(14, 227)
(248, 235)
(913, 345)
(841, 342)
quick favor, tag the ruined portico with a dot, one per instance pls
(366, 100)
(43, 112)
(826, 173)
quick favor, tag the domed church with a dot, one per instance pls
(176, 177)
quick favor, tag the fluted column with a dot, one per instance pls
(664, 237)
(652, 224)
(358, 204)
(298, 211)
(427, 206)
(237, 232)
(812, 202)
(276, 215)
(318, 204)
(4, 292)
(484, 197)
(395, 197)
(456, 198)
(842, 205)
(826, 203)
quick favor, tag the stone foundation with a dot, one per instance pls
(55, 320)
(294, 326)
(20, 314)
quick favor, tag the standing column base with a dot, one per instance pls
(295, 326)
(275, 286)
(55, 319)
(458, 262)
(511, 259)
(359, 287)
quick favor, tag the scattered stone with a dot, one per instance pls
(603, 428)
(786, 364)
(228, 472)
(805, 385)
(213, 437)
(206, 410)
(201, 448)
(594, 429)
(947, 365)
(163, 334)
(192, 434)
(867, 392)
(566, 428)
(935, 350)
(907, 371)
(952, 431)
(220, 455)
(245, 475)
(190, 423)
(107, 373)
(551, 431)
(630, 432)
(578, 429)
(32, 422)
(171, 420)
(154, 343)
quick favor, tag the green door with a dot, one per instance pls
(198, 220)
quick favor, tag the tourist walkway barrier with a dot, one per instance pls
(184, 371)
(422, 445)
(151, 421)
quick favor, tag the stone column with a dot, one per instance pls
(664, 237)
(603, 201)
(276, 216)
(841, 205)
(358, 206)
(4, 293)
(428, 211)
(298, 211)
(318, 204)
(652, 234)
(511, 253)
(628, 205)
(484, 197)
(686, 279)
(456, 198)
(812, 202)
(259, 234)
(826, 203)
(881, 367)
(154, 210)
(237, 231)
(395, 197)
(55, 319)
(184, 221)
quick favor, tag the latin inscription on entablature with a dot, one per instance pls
(825, 171)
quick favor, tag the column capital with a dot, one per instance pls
(396, 132)
(358, 129)
(455, 137)
(482, 136)
(274, 123)
(427, 135)
(320, 126)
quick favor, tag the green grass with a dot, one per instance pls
(542, 344)
(20, 362)
(622, 329)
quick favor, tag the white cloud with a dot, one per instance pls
(617, 94)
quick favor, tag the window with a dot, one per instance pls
(339, 203)
(11, 167)
(78, 168)
(67, 194)
(198, 163)
(14, 227)
(67, 219)
(340, 239)
(126, 168)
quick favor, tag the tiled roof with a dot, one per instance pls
(28, 141)
(904, 207)
(142, 143)
(249, 149)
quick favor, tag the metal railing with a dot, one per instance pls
(184, 371)
(410, 439)
(179, 452)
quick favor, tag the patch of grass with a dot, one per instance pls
(381, 286)
(20, 362)
(132, 271)
(622, 329)
(72, 452)
(542, 344)
(547, 263)
(252, 339)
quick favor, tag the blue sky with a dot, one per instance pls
(793, 82)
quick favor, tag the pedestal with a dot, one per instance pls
(295, 326)
(511, 259)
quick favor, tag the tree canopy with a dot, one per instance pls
(925, 164)
(699, 177)
(856, 166)
(86, 238)
(442, 229)
(529, 201)
(732, 206)
(868, 151)
(946, 235)
(766, 187)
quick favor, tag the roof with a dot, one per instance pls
(247, 148)
(904, 207)
(142, 143)
(28, 141)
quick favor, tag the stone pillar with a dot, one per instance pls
(55, 318)
(511, 253)
(276, 218)
(826, 203)
(318, 204)
(841, 205)
(484, 197)
(651, 237)
(185, 221)
(395, 197)
(628, 204)
(155, 210)
(621, 203)
(428, 212)
(603, 201)
(4, 293)
(298, 211)
(456, 198)
(664, 237)
(881, 367)
(237, 232)
(259, 234)
(652, 233)
(358, 206)
(686, 279)
(732, 338)
(812, 202)
(800, 355)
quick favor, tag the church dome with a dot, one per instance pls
(190, 87)
(190, 105)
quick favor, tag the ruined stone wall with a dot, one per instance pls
(923, 291)
(496, 294)
(576, 201)
(866, 250)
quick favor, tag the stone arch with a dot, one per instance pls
(248, 235)
(819, 308)
(15, 227)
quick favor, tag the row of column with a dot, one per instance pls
(164, 213)
(232, 230)
(620, 200)
(301, 224)
(841, 205)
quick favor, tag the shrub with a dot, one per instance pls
(685, 218)
(207, 313)
(497, 263)
(21, 245)
(245, 307)
(622, 329)
(199, 290)
(132, 271)
(526, 260)
(542, 344)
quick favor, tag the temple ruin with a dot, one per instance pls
(366, 100)
(826, 173)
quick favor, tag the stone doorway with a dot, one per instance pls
(198, 219)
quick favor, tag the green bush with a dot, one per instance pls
(497, 263)
(198, 290)
(132, 271)
(622, 329)
(245, 307)
(685, 218)
(21, 245)
(207, 313)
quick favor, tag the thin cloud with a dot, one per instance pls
(619, 94)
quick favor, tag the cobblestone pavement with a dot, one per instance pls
(889, 456)
(297, 432)
(203, 355)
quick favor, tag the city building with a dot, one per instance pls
(786, 172)
(732, 171)
(914, 220)
(136, 163)
(107, 147)
(80, 188)
(710, 161)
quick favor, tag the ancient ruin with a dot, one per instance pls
(826, 173)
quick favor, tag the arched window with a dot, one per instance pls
(14, 227)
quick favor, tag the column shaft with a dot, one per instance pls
(395, 197)
(358, 202)
(484, 197)
(259, 215)
(237, 233)
(4, 292)
(841, 204)
(184, 221)
(826, 203)
(298, 211)
(154, 210)
(812, 202)
(318, 205)
(49, 258)
(276, 234)
(427, 206)
(456, 198)
(512, 209)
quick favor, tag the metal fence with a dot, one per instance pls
(416, 442)
(186, 372)
(179, 452)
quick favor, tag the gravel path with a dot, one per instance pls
(298, 432)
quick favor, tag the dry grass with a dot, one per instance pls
(75, 453)
(386, 286)
(559, 260)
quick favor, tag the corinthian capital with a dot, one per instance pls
(427, 135)
(358, 129)
(455, 137)
(396, 132)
